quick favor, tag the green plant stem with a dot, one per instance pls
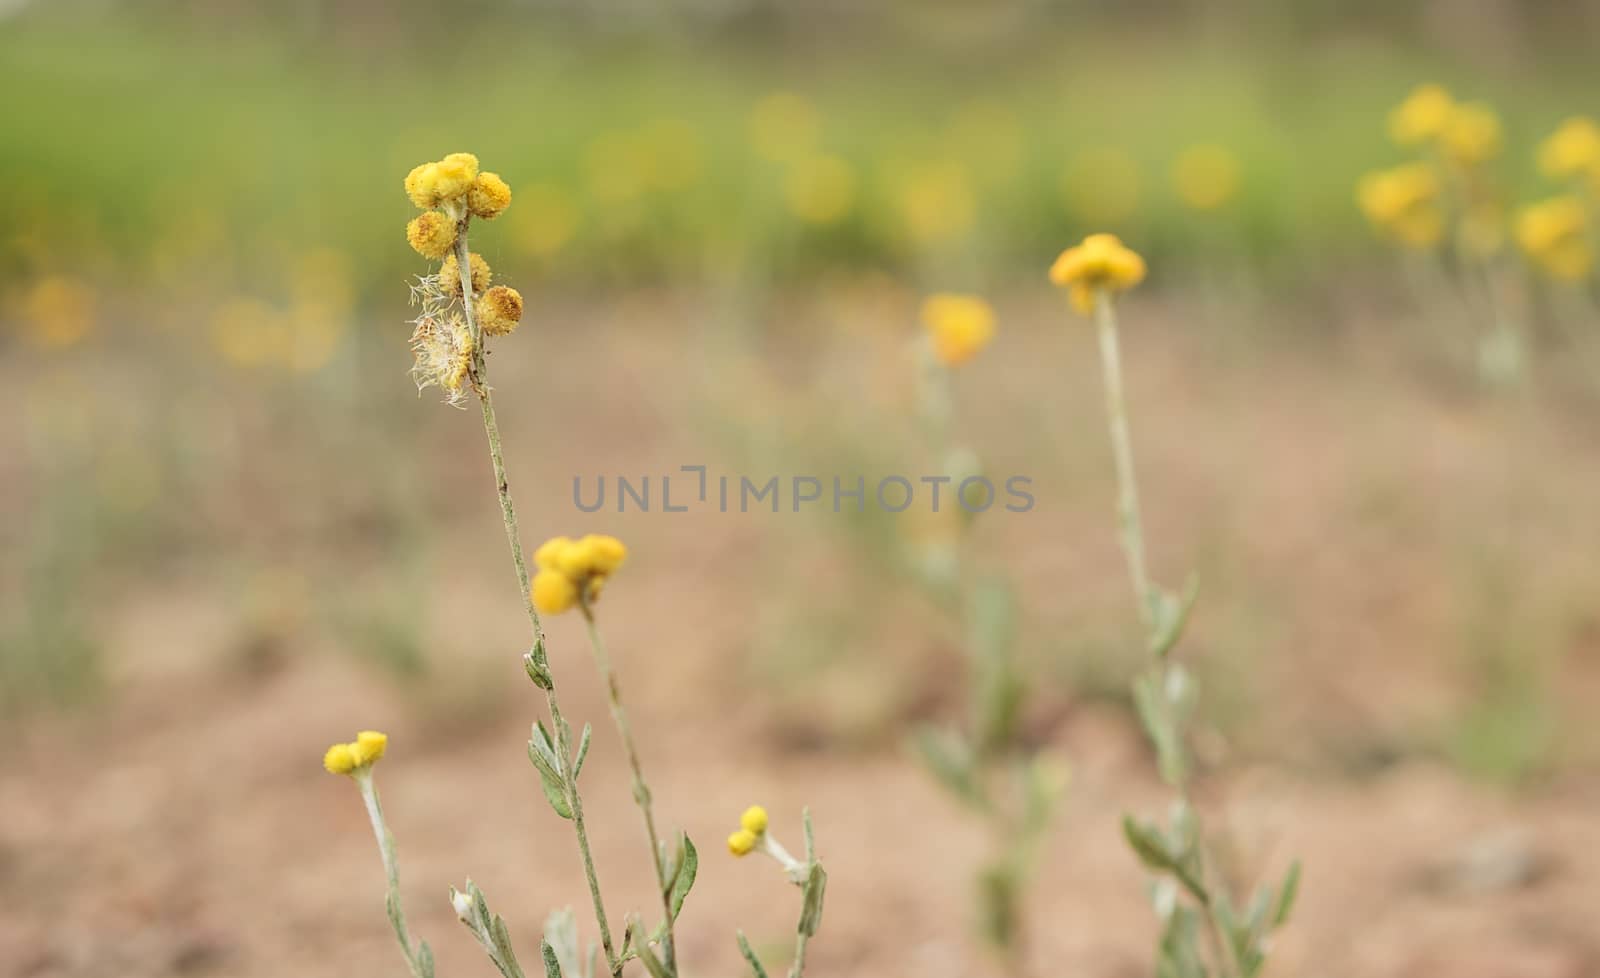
(641, 790)
(1128, 515)
(391, 869)
(508, 514)
(1134, 547)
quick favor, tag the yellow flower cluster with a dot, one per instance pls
(447, 191)
(1101, 264)
(1404, 202)
(1555, 234)
(752, 826)
(1466, 132)
(573, 572)
(1572, 151)
(356, 756)
(960, 326)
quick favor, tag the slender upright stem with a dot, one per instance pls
(391, 869)
(1105, 317)
(641, 790)
(508, 514)
(1133, 546)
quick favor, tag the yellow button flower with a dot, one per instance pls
(1555, 234)
(450, 275)
(356, 756)
(1404, 202)
(432, 235)
(1571, 150)
(742, 842)
(489, 196)
(573, 571)
(1102, 263)
(553, 592)
(499, 311)
(959, 325)
(1422, 117)
(1472, 136)
(754, 820)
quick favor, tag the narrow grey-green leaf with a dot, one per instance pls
(1148, 845)
(750, 956)
(1286, 895)
(652, 963)
(689, 868)
(811, 900)
(425, 960)
(552, 965)
(583, 752)
(502, 943)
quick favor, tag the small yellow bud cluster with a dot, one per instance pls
(1466, 132)
(1405, 203)
(573, 572)
(356, 756)
(1572, 151)
(1101, 264)
(1555, 234)
(448, 190)
(752, 826)
(960, 326)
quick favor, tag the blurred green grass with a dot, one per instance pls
(145, 153)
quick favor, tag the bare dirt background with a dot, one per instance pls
(1371, 527)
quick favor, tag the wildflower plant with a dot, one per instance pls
(461, 310)
(987, 766)
(754, 835)
(1205, 933)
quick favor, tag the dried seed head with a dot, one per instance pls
(489, 196)
(432, 235)
(499, 311)
(450, 275)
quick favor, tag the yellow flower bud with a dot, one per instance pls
(754, 820)
(1555, 234)
(959, 325)
(741, 842)
(1571, 150)
(1101, 262)
(553, 592)
(341, 759)
(499, 311)
(454, 175)
(489, 196)
(545, 557)
(1472, 135)
(370, 745)
(432, 235)
(1422, 117)
(605, 553)
(450, 275)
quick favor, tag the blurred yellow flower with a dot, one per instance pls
(1102, 263)
(960, 326)
(742, 842)
(339, 759)
(1205, 176)
(937, 202)
(1572, 150)
(820, 189)
(1404, 202)
(1100, 186)
(1472, 134)
(356, 756)
(574, 571)
(784, 126)
(1422, 117)
(1555, 233)
(754, 820)
(670, 149)
(58, 312)
(248, 332)
(546, 219)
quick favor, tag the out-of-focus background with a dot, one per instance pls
(231, 532)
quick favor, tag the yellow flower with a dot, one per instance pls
(455, 174)
(742, 842)
(422, 186)
(553, 592)
(356, 756)
(432, 235)
(820, 189)
(489, 196)
(58, 311)
(1102, 263)
(1404, 203)
(754, 820)
(1206, 176)
(1472, 135)
(499, 310)
(1571, 150)
(450, 274)
(959, 325)
(370, 745)
(1422, 117)
(573, 570)
(340, 759)
(1555, 234)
